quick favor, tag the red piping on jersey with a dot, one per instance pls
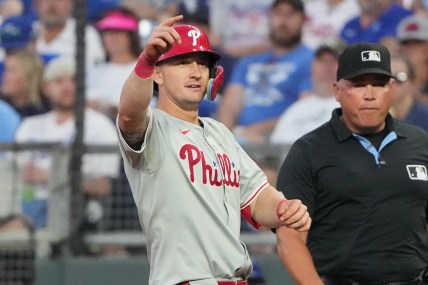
(255, 194)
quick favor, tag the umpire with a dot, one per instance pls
(363, 176)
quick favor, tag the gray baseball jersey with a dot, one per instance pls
(190, 184)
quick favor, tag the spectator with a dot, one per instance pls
(326, 18)
(11, 8)
(121, 41)
(263, 86)
(149, 9)
(413, 37)
(22, 83)
(377, 23)
(199, 15)
(405, 105)
(10, 120)
(56, 33)
(314, 109)
(58, 126)
(242, 26)
(419, 7)
(16, 33)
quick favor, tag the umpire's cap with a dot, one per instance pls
(363, 58)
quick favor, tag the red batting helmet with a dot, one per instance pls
(193, 39)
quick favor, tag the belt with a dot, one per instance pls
(241, 282)
(344, 281)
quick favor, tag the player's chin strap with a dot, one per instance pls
(215, 83)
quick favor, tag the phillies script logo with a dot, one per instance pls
(210, 174)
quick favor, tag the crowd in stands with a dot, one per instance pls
(280, 60)
(269, 52)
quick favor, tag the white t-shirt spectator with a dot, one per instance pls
(302, 117)
(325, 21)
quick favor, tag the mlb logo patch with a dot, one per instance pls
(417, 172)
(370, 55)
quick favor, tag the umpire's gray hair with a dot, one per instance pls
(60, 66)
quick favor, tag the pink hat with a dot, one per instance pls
(118, 21)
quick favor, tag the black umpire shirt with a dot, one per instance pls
(368, 205)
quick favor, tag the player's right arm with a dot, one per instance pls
(137, 91)
(295, 256)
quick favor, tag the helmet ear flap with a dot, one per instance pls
(215, 82)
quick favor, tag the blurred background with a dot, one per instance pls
(67, 215)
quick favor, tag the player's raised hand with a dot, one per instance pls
(293, 214)
(162, 38)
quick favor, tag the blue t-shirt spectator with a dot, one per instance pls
(385, 26)
(271, 83)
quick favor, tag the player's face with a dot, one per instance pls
(365, 102)
(61, 92)
(183, 79)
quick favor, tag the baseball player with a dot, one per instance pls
(190, 179)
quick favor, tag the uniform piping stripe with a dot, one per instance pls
(255, 195)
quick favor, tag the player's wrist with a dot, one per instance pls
(144, 67)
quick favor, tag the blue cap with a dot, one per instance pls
(96, 8)
(16, 32)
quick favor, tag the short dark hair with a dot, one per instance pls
(296, 4)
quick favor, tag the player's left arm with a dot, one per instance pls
(272, 210)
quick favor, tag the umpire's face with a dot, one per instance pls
(365, 101)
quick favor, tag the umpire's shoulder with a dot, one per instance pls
(404, 129)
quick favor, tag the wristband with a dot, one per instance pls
(144, 68)
(282, 201)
